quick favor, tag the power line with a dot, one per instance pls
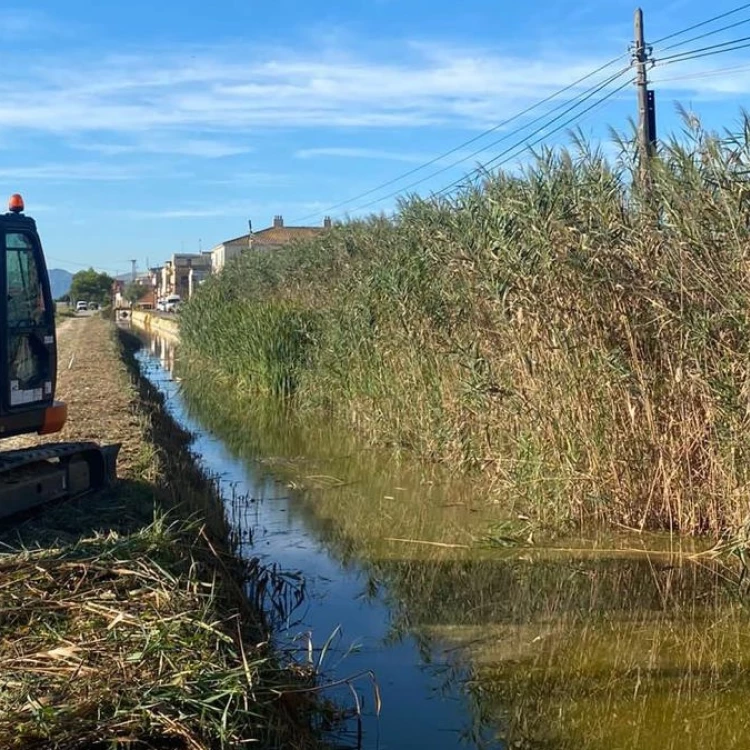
(476, 138)
(672, 61)
(678, 57)
(702, 23)
(703, 49)
(706, 34)
(580, 100)
(494, 161)
(706, 74)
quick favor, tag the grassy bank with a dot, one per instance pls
(585, 353)
(122, 623)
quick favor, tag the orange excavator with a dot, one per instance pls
(28, 372)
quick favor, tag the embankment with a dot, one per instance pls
(582, 351)
(123, 616)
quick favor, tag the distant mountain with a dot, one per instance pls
(60, 281)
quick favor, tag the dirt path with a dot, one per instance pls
(92, 380)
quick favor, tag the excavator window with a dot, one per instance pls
(25, 298)
(29, 356)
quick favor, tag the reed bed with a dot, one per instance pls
(579, 346)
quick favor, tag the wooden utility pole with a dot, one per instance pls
(646, 105)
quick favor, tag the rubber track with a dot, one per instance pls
(102, 466)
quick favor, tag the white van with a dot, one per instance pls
(171, 302)
(81, 305)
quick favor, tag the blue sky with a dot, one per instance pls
(139, 129)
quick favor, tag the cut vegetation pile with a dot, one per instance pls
(582, 349)
(126, 640)
(121, 623)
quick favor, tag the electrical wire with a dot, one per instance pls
(476, 138)
(78, 263)
(706, 34)
(703, 49)
(706, 74)
(584, 97)
(494, 161)
(702, 23)
(523, 143)
(671, 61)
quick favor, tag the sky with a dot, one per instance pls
(136, 130)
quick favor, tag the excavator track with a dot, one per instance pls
(31, 477)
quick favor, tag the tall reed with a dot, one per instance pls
(583, 348)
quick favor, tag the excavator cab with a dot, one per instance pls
(28, 347)
(28, 375)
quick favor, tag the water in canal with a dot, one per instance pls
(475, 636)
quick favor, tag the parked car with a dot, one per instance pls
(81, 305)
(171, 303)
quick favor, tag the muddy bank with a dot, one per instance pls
(122, 622)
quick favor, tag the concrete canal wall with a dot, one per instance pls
(163, 324)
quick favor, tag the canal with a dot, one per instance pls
(455, 630)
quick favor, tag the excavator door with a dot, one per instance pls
(28, 352)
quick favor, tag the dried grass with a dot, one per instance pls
(121, 623)
(582, 350)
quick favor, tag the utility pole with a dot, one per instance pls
(646, 101)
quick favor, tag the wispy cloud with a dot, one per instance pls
(64, 172)
(192, 147)
(259, 212)
(359, 153)
(34, 25)
(208, 90)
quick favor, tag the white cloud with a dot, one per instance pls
(359, 153)
(209, 102)
(194, 147)
(62, 172)
(209, 90)
(261, 213)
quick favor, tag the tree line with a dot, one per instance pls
(95, 286)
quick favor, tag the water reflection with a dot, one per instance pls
(163, 350)
(552, 648)
(419, 709)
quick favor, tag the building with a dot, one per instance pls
(272, 238)
(145, 280)
(181, 274)
(118, 287)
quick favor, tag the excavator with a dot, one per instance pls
(31, 477)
